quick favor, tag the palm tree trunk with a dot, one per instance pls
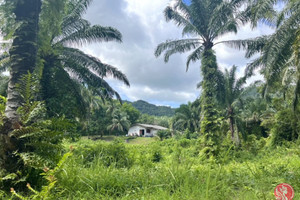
(231, 121)
(231, 125)
(209, 114)
(238, 140)
(23, 54)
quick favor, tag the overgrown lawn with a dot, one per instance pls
(174, 169)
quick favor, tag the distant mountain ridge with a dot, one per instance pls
(151, 109)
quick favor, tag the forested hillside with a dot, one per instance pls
(151, 109)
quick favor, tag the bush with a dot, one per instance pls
(184, 142)
(35, 143)
(285, 127)
(156, 156)
(163, 134)
(253, 144)
(107, 154)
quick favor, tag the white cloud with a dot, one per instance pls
(143, 26)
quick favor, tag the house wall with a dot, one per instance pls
(154, 131)
(135, 131)
(149, 134)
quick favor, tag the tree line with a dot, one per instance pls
(55, 90)
(225, 96)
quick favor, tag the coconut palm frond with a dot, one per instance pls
(5, 62)
(94, 64)
(92, 34)
(77, 7)
(228, 27)
(96, 83)
(196, 55)
(252, 46)
(251, 67)
(176, 46)
(73, 24)
(179, 19)
(223, 20)
(262, 11)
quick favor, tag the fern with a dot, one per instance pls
(28, 88)
(2, 108)
(49, 175)
(38, 138)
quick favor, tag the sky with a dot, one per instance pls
(143, 27)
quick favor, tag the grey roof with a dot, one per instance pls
(151, 126)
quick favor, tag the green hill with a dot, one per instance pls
(151, 109)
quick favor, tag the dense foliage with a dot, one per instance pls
(202, 22)
(236, 141)
(66, 68)
(174, 169)
(48, 78)
(151, 109)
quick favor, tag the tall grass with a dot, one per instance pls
(174, 170)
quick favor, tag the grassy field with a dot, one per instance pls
(148, 169)
(128, 140)
(174, 169)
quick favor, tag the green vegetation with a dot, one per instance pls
(231, 92)
(174, 169)
(62, 131)
(202, 22)
(151, 109)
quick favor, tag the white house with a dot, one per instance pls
(144, 130)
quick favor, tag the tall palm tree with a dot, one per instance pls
(203, 21)
(23, 50)
(62, 67)
(279, 52)
(232, 91)
(252, 112)
(65, 65)
(23, 56)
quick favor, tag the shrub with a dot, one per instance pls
(36, 141)
(156, 156)
(253, 144)
(285, 127)
(184, 142)
(107, 154)
(163, 134)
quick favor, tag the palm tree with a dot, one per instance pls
(186, 117)
(93, 103)
(23, 50)
(206, 20)
(62, 67)
(23, 56)
(65, 65)
(231, 93)
(253, 111)
(120, 121)
(279, 52)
